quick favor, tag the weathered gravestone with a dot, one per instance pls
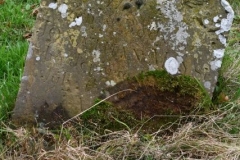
(80, 48)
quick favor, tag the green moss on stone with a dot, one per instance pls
(158, 99)
(183, 85)
(106, 116)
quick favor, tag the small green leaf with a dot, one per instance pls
(234, 130)
(28, 7)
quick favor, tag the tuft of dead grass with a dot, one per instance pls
(196, 137)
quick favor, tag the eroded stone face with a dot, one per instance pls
(80, 48)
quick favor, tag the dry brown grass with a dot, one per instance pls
(212, 136)
(196, 137)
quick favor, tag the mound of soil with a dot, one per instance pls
(149, 101)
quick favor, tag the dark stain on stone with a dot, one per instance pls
(127, 6)
(148, 101)
(213, 43)
(51, 118)
(156, 95)
(139, 3)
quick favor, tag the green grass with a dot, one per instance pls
(212, 136)
(230, 70)
(16, 20)
(12, 60)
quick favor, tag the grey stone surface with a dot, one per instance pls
(80, 48)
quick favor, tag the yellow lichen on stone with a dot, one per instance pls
(70, 84)
(73, 35)
(206, 68)
(116, 3)
(59, 44)
(79, 50)
(44, 3)
(71, 17)
(195, 55)
(196, 40)
(65, 34)
(56, 36)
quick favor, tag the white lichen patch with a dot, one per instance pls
(215, 19)
(206, 21)
(171, 65)
(207, 85)
(78, 22)
(100, 2)
(179, 59)
(100, 12)
(65, 55)
(96, 55)
(151, 67)
(64, 15)
(104, 27)
(29, 56)
(222, 39)
(181, 35)
(24, 78)
(226, 23)
(169, 10)
(110, 83)
(30, 52)
(98, 69)
(217, 25)
(38, 58)
(216, 64)
(52, 5)
(227, 6)
(72, 24)
(181, 54)
(63, 10)
(195, 55)
(182, 48)
(83, 30)
(218, 53)
(158, 38)
(152, 26)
